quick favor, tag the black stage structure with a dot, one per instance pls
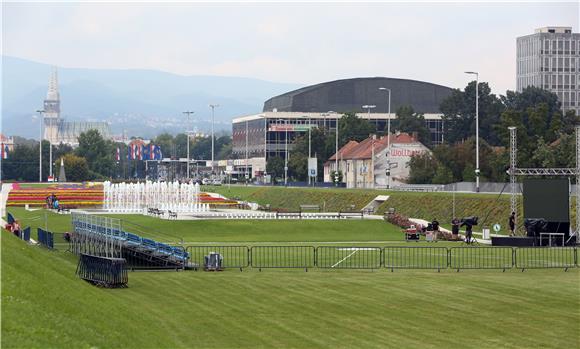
(546, 202)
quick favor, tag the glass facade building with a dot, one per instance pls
(269, 132)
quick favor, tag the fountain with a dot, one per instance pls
(138, 197)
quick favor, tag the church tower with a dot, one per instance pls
(52, 109)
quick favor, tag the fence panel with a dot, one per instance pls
(102, 271)
(480, 257)
(341, 257)
(282, 257)
(545, 257)
(45, 238)
(408, 257)
(233, 256)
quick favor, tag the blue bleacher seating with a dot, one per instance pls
(143, 244)
(133, 239)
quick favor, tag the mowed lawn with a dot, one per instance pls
(230, 231)
(45, 305)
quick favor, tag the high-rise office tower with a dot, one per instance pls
(550, 59)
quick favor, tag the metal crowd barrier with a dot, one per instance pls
(233, 256)
(103, 271)
(45, 238)
(546, 257)
(282, 257)
(417, 257)
(396, 257)
(481, 257)
(341, 257)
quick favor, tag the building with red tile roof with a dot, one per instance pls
(364, 164)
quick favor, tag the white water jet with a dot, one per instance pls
(138, 197)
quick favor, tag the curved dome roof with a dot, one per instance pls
(351, 94)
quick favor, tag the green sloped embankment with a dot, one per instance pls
(417, 205)
(44, 305)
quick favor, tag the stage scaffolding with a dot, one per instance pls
(514, 171)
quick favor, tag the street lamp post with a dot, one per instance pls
(309, 144)
(336, 142)
(40, 112)
(246, 167)
(286, 153)
(212, 106)
(388, 137)
(50, 159)
(188, 113)
(476, 128)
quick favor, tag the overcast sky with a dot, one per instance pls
(285, 42)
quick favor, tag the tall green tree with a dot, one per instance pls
(23, 160)
(410, 122)
(351, 127)
(275, 167)
(459, 113)
(76, 168)
(422, 169)
(99, 153)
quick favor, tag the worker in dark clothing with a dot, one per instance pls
(435, 225)
(455, 227)
(512, 223)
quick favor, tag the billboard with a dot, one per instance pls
(290, 128)
(312, 167)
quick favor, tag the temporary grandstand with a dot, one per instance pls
(105, 237)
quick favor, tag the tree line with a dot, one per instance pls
(95, 158)
(545, 136)
(545, 139)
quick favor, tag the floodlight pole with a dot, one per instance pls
(188, 113)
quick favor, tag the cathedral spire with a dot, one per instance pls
(52, 94)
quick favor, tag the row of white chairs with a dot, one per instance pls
(269, 215)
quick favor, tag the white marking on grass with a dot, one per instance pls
(342, 260)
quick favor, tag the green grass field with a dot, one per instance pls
(45, 305)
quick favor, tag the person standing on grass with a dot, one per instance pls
(455, 227)
(512, 223)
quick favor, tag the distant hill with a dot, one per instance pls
(142, 102)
